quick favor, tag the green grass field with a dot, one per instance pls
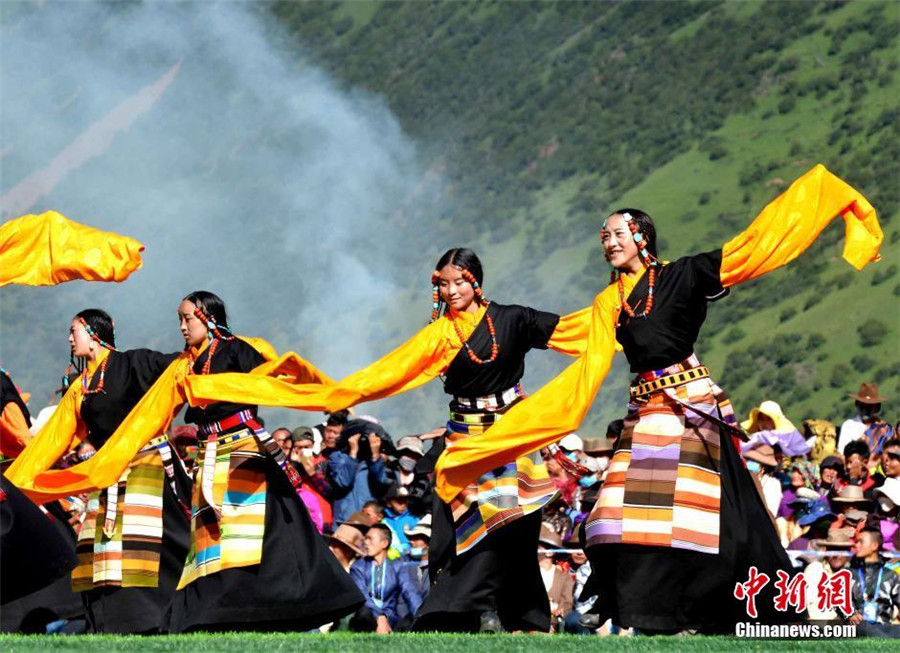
(418, 643)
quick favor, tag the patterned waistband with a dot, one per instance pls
(154, 443)
(231, 437)
(649, 382)
(229, 422)
(493, 401)
(688, 363)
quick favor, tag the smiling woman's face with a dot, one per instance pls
(619, 246)
(455, 290)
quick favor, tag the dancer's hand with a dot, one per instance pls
(434, 433)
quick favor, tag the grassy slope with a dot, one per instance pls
(416, 643)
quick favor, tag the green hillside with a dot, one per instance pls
(545, 116)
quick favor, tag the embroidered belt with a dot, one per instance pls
(254, 429)
(492, 401)
(231, 421)
(649, 382)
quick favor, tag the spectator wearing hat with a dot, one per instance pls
(838, 544)
(815, 517)
(415, 564)
(407, 474)
(831, 474)
(356, 471)
(887, 509)
(559, 584)
(874, 589)
(852, 507)
(804, 482)
(347, 544)
(867, 425)
(383, 583)
(398, 518)
(768, 424)
(762, 463)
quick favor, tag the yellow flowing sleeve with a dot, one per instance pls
(59, 435)
(543, 418)
(149, 418)
(47, 249)
(791, 222)
(571, 333)
(422, 358)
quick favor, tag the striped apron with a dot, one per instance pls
(501, 495)
(663, 485)
(228, 501)
(119, 544)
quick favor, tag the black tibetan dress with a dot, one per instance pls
(256, 561)
(679, 521)
(483, 551)
(134, 538)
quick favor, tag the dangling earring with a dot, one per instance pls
(435, 295)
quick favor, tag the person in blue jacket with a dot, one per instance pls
(356, 471)
(383, 584)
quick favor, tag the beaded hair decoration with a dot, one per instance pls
(214, 332)
(85, 381)
(437, 301)
(647, 259)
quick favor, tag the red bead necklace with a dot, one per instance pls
(649, 306)
(85, 381)
(495, 348)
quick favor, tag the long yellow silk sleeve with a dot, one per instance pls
(63, 431)
(414, 363)
(148, 419)
(543, 418)
(47, 249)
(793, 220)
(571, 333)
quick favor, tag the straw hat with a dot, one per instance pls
(349, 537)
(421, 529)
(868, 394)
(851, 494)
(770, 409)
(837, 539)
(890, 489)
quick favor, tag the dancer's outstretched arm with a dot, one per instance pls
(47, 249)
(793, 221)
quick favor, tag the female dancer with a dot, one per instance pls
(678, 523)
(482, 558)
(134, 538)
(255, 559)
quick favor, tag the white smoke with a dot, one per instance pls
(242, 167)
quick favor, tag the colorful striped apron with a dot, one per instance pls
(501, 495)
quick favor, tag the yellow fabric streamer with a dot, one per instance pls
(793, 220)
(783, 230)
(32, 472)
(416, 362)
(47, 249)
